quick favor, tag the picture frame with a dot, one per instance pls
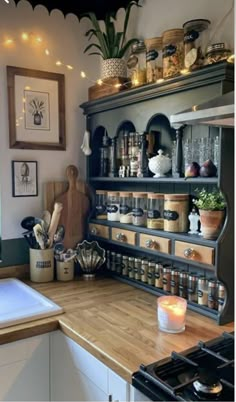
(24, 178)
(36, 109)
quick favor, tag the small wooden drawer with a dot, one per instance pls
(99, 230)
(194, 252)
(123, 236)
(155, 243)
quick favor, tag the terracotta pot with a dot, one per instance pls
(114, 68)
(211, 223)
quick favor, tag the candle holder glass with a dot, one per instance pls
(171, 312)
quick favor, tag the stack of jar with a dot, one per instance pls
(197, 289)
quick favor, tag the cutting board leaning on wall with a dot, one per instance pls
(77, 200)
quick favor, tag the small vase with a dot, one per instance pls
(113, 67)
(211, 223)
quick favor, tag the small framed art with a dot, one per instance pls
(24, 178)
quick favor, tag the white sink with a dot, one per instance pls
(20, 303)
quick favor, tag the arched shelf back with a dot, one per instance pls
(96, 143)
(160, 127)
(125, 126)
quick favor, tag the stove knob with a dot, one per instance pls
(189, 252)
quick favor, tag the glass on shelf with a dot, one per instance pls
(187, 151)
(173, 158)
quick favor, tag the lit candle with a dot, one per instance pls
(171, 311)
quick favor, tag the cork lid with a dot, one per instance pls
(153, 43)
(125, 194)
(113, 193)
(173, 35)
(176, 197)
(101, 192)
(155, 196)
(139, 195)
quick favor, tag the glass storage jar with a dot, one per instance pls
(144, 270)
(154, 59)
(131, 267)
(212, 293)
(183, 284)
(137, 269)
(151, 273)
(173, 52)
(202, 291)
(192, 287)
(126, 207)
(137, 63)
(217, 52)
(113, 206)
(166, 278)
(174, 282)
(155, 203)
(139, 209)
(176, 212)
(159, 275)
(125, 265)
(195, 42)
(101, 199)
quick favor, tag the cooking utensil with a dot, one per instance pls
(29, 222)
(54, 222)
(46, 217)
(40, 236)
(59, 235)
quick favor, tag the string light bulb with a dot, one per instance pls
(58, 63)
(25, 36)
(99, 82)
(69, 67)
(47, 52)
(82, 74)
(8, 42)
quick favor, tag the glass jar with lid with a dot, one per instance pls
(139, 209)
(176, 212)
(101, 199)
(155, 203)
(126, 207)
(217, 52)
(137, 63)
(173, 52)
(154, 59)
(202, 291)
(192, 287)
(113, 206)
(195, 42)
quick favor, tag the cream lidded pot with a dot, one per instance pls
(176, 208)
(159, 164)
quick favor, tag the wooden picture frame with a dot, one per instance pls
(36, 109)
(24, 178)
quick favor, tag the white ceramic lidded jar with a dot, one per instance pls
(159, 164)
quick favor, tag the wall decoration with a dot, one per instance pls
(24, 178)
(36, 108)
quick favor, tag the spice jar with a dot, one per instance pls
(176, 212)
(113, 206)
(113, 261)
(108, 260)
(217, 52)
(137, 63)
(159, 275)
(118, 263)
(139, 209)
(125, 265)
(155, 211)
(144, 270)
(101, 212)
(195, 42)
(131, 268)
(126, 207)
(192, 287)
(173, 52)
(137, 269)
(151, 273)
(183, 284)
(202, 291)
(166, 278)
(154, 59)
(221, 296)
(174, 282)
(212, 293)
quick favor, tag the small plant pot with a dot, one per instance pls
(113, 68)
(211, 223)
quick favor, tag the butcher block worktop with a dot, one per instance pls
(114, 322)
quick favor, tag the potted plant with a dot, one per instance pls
(211, 207)
(112, 45)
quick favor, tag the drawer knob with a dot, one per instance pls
(120, 237)
(150, 243)
(94, 231)
(189, 252)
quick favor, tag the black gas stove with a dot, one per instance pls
(202, 373)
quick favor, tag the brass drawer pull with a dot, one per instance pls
(121, 237)
(150, 243)
(189, 252)
(94, 231)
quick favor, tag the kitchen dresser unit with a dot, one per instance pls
(148, 109)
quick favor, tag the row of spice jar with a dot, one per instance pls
(189, 285)
(152, 210)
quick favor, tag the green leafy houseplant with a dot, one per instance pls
(111, 44)
(210, 201)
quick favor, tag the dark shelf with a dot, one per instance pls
(190, 180)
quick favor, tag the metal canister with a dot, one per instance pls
(174, 282)
(176, 212)
(131, 268)
(137, 269)
(144, 270)
(151, 273)
(202, 291)
(221, 296)
(118, 263)
(159, 275)
(113, 261)
(192, 287)
(125, 264)
(166, 278)
(212, 293)
(183, 284)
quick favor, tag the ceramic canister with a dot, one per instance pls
(65, 270)
(41, 265)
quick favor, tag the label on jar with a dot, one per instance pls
(100, 209)
(112, 209)
(170, 215)
(125, 209)
(153, 214)
(138, 212)
(169, 50)
(191, 36)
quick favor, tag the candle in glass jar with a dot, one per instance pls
(171, 312)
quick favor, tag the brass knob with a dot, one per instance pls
(189, 252)
(120, 237)
(94, 231)
(150, 243)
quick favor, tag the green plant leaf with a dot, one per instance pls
(91, 45)
(124, 49)
(126, 21)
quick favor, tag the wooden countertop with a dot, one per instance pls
(115, 322)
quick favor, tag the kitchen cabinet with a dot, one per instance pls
(76, 375)
(149, 108)
(24, 370)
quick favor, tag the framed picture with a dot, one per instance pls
(24, 178)
(36, 108)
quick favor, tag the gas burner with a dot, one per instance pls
(207, 384)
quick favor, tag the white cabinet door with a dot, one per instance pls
(24, 370)
(137, 396)
(118, 388)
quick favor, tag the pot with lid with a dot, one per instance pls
(159, 164)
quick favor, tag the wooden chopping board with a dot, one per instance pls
(76, 197)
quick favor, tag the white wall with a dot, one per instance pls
(65, 39)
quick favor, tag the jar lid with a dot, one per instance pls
(176, 197)
(198, 25)
(155, 196)
(101, 192)
(139, 195)
(113, 193)
(170, 35)
(153, 43)
(138, 47)
(125, 194)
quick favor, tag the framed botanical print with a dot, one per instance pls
(36, 108)
(24, 178)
